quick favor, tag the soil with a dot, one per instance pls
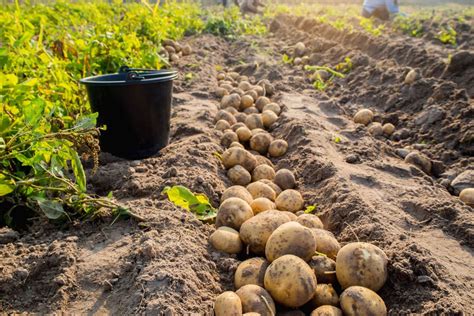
(363, 189)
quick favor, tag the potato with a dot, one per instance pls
(221, 92)
(228, 138)
(254, 121)
(291, 216)
(364, 116)
(411, 77)
(272, 185)
(363, 264)
(325, 295)
(226, 116)
(285, 179)
(261, 142)
(233, 212)
(261, 102)
(231, 110)
(227, 86)
(327, 243)
(237, 125)
(220, 76)
(289, 200)
(226, 239)
(256, 299)
(234, 75)
(326, 310)
(256, 231)
(243, 78)
(310, 221)
(275, 108)
(171, 50)
(246, 102)
(238, 156)
(245, 86)
(253, 94)
(238, 91)
(251, 110)
(297, 61)
(263, 172)
(244, 134)
(238, 192)
(241, 117)
(300, 49)
(236, 144)
(267, 86)
(256, 131)
(290, 281)
(278, 148)
(421, 161)
(291, 239)
(375, 129)
(324, 268)
(268, 118)
(358, 300)
(222, 125)
(467, 196)
(228, 303)
(388, 129)
(262, 204)
(260, 189)
(231, 100)
(187, 50)
(239, 175)
(250, 271)
(260, 90)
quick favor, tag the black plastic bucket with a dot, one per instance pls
(135, 106)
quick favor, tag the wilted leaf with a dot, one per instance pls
(52, 209)
(78, 170)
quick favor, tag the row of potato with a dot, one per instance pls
(295, 262)
(172, 51)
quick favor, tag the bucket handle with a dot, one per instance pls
(126, 69)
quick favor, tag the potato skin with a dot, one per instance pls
(325, 295)
(237, 125)
(261, 205)
(362, 264)
(277, 148)
(358, 300)
(272, 185)
(233, 212)
(364, 116)
(246, 101)
(238, 192)
(326, 310)
(261, 102)
(228, 304)
(291, 238)
(467, 196)
(226, 116)
(239, 175)
(260, 189)
(236, 144)
(290, 281)
(231, 100)
(322, 264)
(268, 118)
(256, 231)
(244, 134)
(222, 125)
(310, 221)
(263, 172)
(255, 298)
(285, 179)
(226, 239)
(228, 138)
(291, 216)
(253, 120)
(261, 142)
(327, 243)
(388, 129)
(290, 200)
(275, 108)
(251, 271)
(238, 156)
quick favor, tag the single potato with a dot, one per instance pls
(239, 175)
(250, 271)
(233, 212)
(326, 310)
(246, 101)
(238, 156)
(260, 205)
(256, 299)
(268, 118)
(228, 304)
(226, 116)
(244, 134)
(237, 125)
(278, 148)
(231, 100)
(241, 117)
(375, 129)
(263, 172)
(261, 102)
(226, 239)
(238, 192)
(388, 129)
(467, 196)
(260, 189)
(327, 243)
(325, 295)
(285, 179)
(261, 142)
(228, 138)
(364, 116)
(289, 200)
(290, 281)
(245, 86)
(254, 120)
(222, 125)
(358, 300)
(221, 92)
(310, 221)
(324, 268)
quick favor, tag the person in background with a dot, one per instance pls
(249, 6)
(381, 9)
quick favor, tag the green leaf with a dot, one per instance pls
(78, 170)
(2, 143)
(86, 121)
(310, 209)
(5, 188)
(52, 209)
(34, 112)
(198, 204)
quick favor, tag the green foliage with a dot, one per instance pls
(368, 25)
(447, 35)
(339, 70)
(409, 25)
(196, 203)
(287, 59)
(311, 209)
(230, 24)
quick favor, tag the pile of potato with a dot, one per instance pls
(294, 262)
(366, 117)
(173, 51)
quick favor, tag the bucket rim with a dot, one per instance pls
(160, 76)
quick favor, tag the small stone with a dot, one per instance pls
(352, 158)
(172, 172)
(421, 161)
(425, 279)
(21, 274)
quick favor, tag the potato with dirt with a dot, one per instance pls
(260, 189)
(246, 101)
(244, 134)
(236, 144)
(358, 300)
(289, 200)
(285, 179)
(290, 281)
(261, 142)
(310, 221)
(254, 120)
(241, 117)
(325, 295)
(220, 92)
(250, 271)
(231, 100)
(364, 116)
(237, 125)
(238, 156)
(256, 231)
(261, 102)
(239, 175)
(272, 185)
(324, 268)
(291, 239)
(226, 116)
(222, 125)
(327, 243)
(228, 304)
(262, 160)
(245, 86)
(263, 172)
(226, 239)
(326, 310)
(273, 107)
(233, 212)
(251, 110)
(467, 196)
(388, 129)
(256, 299)
(228, 138)
(268, 118)
(238, 192)
(278, 148)
(362, 264)
(260, 205)
(375, 129)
